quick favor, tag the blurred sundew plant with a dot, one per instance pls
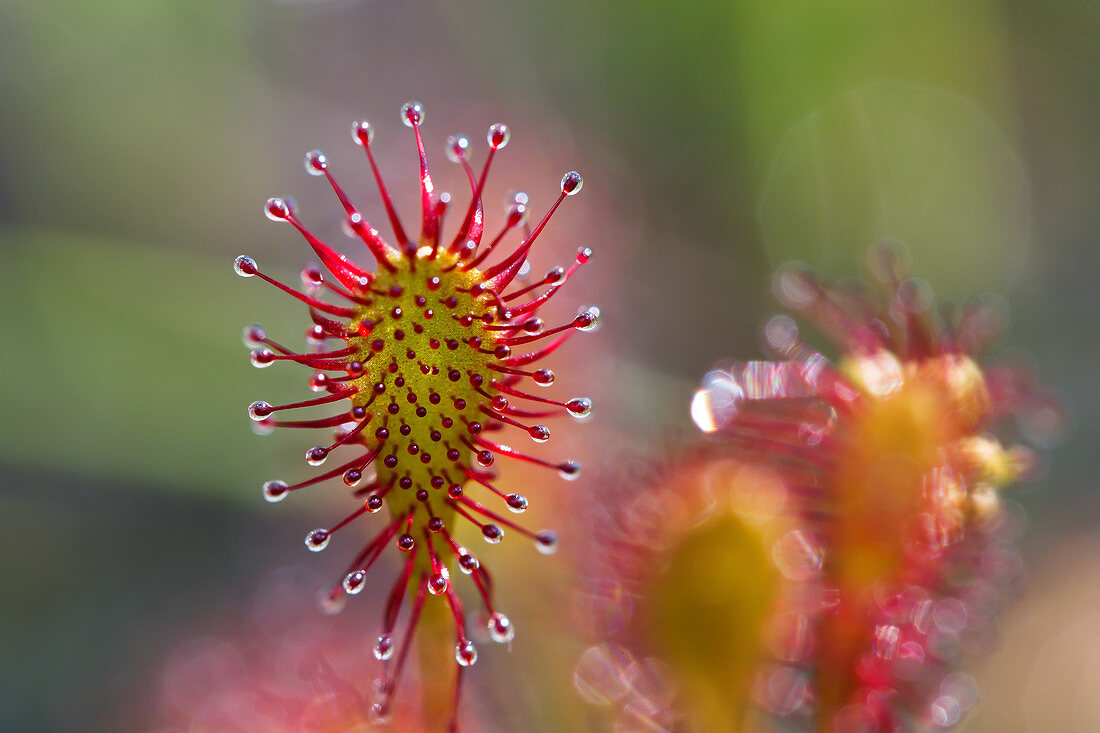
(435, 351)
(838, 544)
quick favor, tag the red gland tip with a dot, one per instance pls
(437, 584)
(362, 133)
(569, 470)
(571, 183)
(543, 377)
(279, 209)
(539, 433)
(353, 582)
(261, 358)
(245, 266)
(312, 276)
(546, 542)
(317, 539)
(412, 114)
(579, 407)
(316, 163)
(275, 491)
(499, 135)
(466, 653)
(316, 455)
(253, 335)
(492, 533)
(588, 319)
(457, 148)
(500, 628)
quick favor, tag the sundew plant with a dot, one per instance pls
(424, 360)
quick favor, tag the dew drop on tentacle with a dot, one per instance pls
(546, 542)
(253, 336)
(279, 209)
(569, 470)
(795, 285)
(515, 208)
(466, 653)
(317, 539)
(275, 491)
(412, 113)
(500, 628)
(468, 563)
(331, 601)
(517, 503)
(311, 276)
(406, 542)
(571, 183)
(354, 581)
(383, 648)
(316, 455)
(543, 377)
(362, 133)
(539, 433)
(261, 358)
(438, 583)
(498, 136)
(316, 163)
(379, 713)
(374, 503)
(588, 319)
(350, 225)
(245, 266)
(492, 533)
(579, 407)
(781, 334)
(716, 401)
(457, 148)
(259, 410)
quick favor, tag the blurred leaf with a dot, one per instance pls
(709, 607)
(130, 365)
(134, 117)
(898, 161)
(697, 99)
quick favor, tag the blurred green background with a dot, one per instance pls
(138, 141)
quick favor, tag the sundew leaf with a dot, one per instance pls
(902, 162)
(126, 362)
